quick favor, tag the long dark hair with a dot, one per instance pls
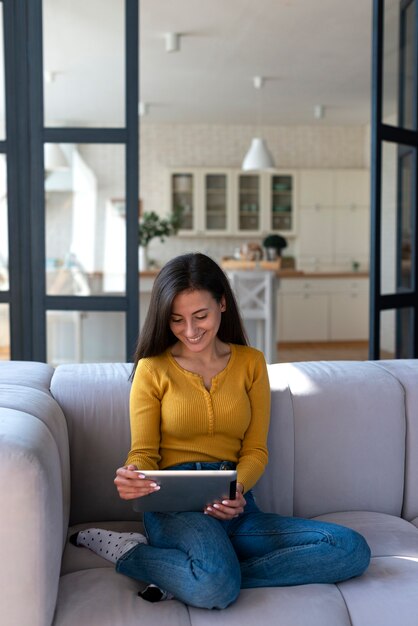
(188, 271)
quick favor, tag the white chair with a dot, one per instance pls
(255, 293)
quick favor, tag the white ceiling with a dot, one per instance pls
(310, 51)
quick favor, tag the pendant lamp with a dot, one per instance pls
(258, 157)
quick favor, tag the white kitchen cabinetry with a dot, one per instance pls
(249, 197)
(322, 309)
(232, 202)
(303, 310)
(183, 194)
(316, 239)
(205, 197)
(333, 218)
(349, 310)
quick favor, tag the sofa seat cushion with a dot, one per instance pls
(386, 594)
(386, 535)
(310, 605)
(102, 597)
(76, 558)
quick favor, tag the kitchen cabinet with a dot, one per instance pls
(231, 202)
(333, 218)
(216, 189)
(349, 310)
(322, 309)
(205, 197)
(248, 203)
(302, 310)
(184, 196)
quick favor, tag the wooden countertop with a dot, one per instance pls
(235, 264)
(284, 273)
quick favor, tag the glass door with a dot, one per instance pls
(183, 194)
(249, 202)
(4, 217)
(72, 174)
(281, 202)
(393, 269)
(216, 202)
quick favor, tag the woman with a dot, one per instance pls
(200, 399)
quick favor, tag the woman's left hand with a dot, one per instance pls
(228, 509)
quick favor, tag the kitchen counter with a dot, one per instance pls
(281, 273)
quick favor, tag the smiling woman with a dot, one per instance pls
(200, 400)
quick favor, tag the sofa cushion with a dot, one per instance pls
(95, 401)
(307, 605)
(386, 535)
(385, 595)
(348, 446)
(102, 597)
(26, 374)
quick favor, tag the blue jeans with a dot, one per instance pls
(205, 562)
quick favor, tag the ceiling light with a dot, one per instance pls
(172, 42)
(258, 157)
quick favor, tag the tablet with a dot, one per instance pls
(187, 490)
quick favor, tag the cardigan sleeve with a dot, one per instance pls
(253, 455)
(145, 417)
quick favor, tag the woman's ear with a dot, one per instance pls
(223, 304)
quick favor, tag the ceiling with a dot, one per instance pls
(310, 52)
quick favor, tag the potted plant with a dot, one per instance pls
(274, 245)
(150, 226)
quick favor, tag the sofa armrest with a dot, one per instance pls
(32, 519)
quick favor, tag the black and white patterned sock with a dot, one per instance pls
(111, 545)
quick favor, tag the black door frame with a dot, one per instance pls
(24, 147)
(401, 136)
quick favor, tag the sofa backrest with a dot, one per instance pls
(337, 437)
(95, 402)
(406, 372)
(336, 440)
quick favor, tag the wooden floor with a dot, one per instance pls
(323, 351)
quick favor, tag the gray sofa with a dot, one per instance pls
(343, 447)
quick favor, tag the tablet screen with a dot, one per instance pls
(187, 490)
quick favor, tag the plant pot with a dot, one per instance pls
(142, 258)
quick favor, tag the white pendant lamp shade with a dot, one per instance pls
(258, 157)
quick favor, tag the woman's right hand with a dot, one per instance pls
(131, 484)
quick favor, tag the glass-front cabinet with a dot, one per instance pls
(183, 197)
(249, 202)
(281, 202)
(216, 201)
(231, 202)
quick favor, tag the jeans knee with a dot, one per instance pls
(363, 554)
(358, 553)
(214, 591)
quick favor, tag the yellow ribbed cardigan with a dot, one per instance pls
(175, 419)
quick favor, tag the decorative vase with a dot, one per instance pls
(142, 258)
